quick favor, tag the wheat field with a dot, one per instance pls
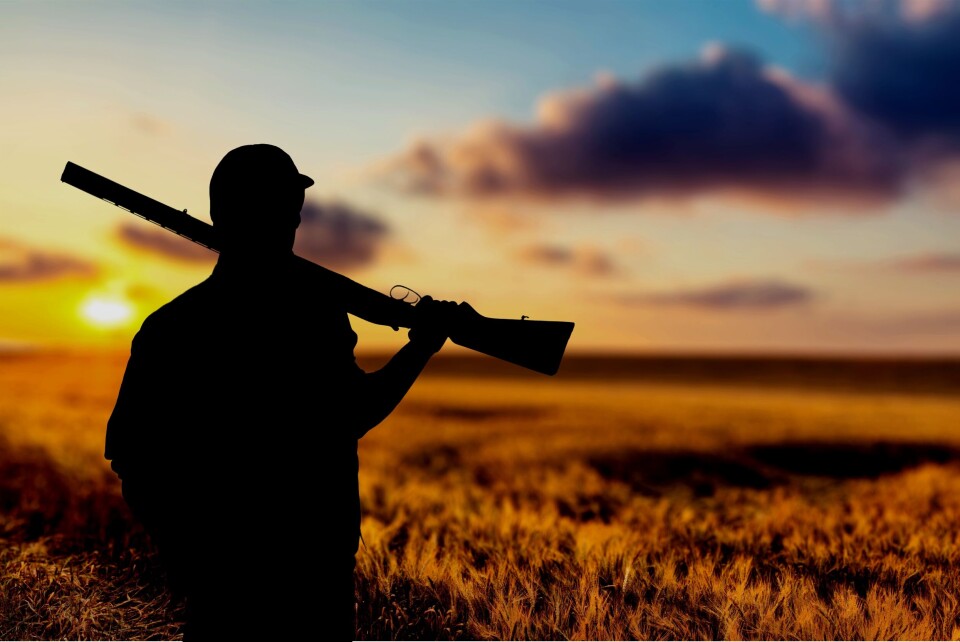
(522, 508)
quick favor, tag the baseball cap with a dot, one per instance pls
(260, 163)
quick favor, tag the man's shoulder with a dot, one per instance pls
(181, 311)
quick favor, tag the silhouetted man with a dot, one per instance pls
(236, 426)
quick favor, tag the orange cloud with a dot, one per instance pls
(503, 220)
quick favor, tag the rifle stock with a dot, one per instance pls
(537, 345)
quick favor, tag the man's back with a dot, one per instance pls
(230, 431)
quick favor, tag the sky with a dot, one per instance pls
(693, 176)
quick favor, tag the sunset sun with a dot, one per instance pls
(106, 312)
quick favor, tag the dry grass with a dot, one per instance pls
(543, 509)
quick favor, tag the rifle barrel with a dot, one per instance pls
(180, 223)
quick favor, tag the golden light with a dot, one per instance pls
(107, 311)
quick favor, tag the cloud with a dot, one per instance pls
(736, 295)
(143, 292)
(903, 74)
(930, 262)
(15, 346)
(150, 125)
(152, 239)
(918, 324)
(20, 263)
(940, 321)
(339, 236)
(583, 260)
(884, 121)
(847, 13)
(923, 263)
(336, 235)
(893, 61)
(503, 220)
(723, 122)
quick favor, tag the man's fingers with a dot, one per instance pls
(434, 321)
(438, 311)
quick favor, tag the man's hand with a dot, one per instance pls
(434, 320)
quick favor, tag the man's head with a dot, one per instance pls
(256, 194)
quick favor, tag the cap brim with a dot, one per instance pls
(306, 181)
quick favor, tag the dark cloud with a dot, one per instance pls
(892, 61)
(339, 236)
(902, 73)
(143, 236)
(724, 121)
(585, 260)
(886, 119)
(333, 234)
(20, 263)
(737, 295)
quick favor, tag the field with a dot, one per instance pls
(624, 499)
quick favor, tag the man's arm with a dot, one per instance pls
(379, 392)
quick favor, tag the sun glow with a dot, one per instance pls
(106, 312)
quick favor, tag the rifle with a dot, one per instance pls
(537, 345)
